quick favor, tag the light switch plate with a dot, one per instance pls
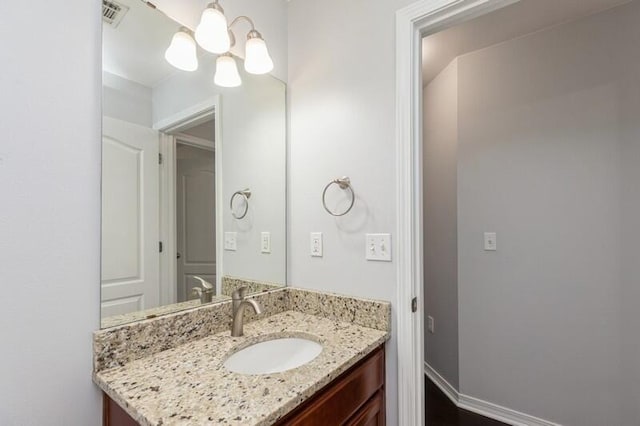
(231, 241)
(316, 244)
(490, 241)
(265, 242)
(431, 324)
(378, 247)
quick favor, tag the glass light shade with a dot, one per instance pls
(227, 72)
(212, 32)
(257, 59)
(181, 53)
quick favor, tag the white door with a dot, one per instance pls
(130, 217)
(195, 218)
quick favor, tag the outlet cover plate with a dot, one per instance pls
(231, 241)
(265, 242)
(316, 244)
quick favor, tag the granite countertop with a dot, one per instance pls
(116, 320)
(188, 385)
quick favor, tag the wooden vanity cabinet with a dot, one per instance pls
(355, 398)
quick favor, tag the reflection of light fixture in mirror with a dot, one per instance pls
(257, 59)
(256, 55)
(181, 53)
(211, 33)
(226, 71)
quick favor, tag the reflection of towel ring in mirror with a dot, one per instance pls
(343, 183)
(246, 194)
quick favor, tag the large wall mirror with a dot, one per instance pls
(193, 174)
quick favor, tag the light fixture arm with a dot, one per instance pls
(246, 18)
(252, 34)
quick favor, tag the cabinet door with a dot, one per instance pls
(342, 399)
(113, 415)
(372, 414)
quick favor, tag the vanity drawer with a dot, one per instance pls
(356, 398)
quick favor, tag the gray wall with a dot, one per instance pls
(440, 180)
(548, 159)
(49, 212)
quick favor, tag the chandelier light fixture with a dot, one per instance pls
(214, 35)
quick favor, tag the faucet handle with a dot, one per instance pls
(239, 293)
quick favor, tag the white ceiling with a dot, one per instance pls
(524, 17)
(135, 49)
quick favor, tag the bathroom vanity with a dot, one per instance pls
(354, 398)
(171, 370)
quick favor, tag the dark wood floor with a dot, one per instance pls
(442, 412)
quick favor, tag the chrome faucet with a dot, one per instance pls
(239, 304)
(205, 293)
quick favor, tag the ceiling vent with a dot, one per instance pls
(113, 12)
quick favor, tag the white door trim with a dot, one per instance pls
(197, 114)
(168, 263)
(195, 141)
(412, 23)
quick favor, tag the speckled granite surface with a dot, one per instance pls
(229, 284)
(117, 346)
(117, 320)
(365, 312)
(188, 385)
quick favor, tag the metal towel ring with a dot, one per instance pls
(344, 183)
(246, 194)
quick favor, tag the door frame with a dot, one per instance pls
(171, 129)
(414, 22)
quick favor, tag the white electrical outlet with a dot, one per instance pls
(316, 244)
(231, 241)
(431, 324)
(490, 241)
(378, 247)
(265, 242)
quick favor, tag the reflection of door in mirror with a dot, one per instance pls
(158, 207)
(130, 257)
(195, 216)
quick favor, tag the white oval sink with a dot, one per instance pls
(273, 356)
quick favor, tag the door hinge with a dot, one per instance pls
(160, 246)
(159, 158)
(414, 304)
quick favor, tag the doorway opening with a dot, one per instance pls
(195, 210)
(518, 145)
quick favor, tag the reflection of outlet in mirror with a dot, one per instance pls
(230, 241)
(490, 243)
(431, 324)
(316, 244)
(265, 242)
(378, 247)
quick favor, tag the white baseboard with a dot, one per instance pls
(442, 383)
(484, 408)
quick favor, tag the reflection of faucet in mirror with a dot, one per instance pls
(239, 304)
(205, 293)
(188, 151)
